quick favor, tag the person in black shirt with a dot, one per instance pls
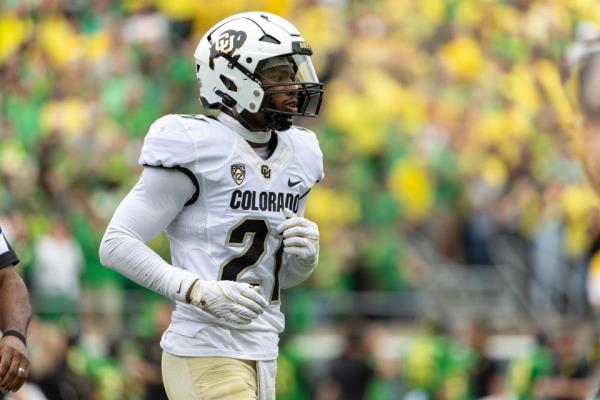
(351, 372)
(15, 313)
(484, 372)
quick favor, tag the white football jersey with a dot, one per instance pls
(227, 230)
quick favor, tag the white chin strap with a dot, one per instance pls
(260, 137)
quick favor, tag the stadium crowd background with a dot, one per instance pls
(446, 127)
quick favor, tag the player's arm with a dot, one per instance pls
(15, 314)
(300, 235)
(15, 310)
(157, 198)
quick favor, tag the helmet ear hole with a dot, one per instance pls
(228, 83)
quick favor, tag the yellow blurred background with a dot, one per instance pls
(453, 192)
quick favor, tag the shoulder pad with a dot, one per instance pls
(168, 143)
(308, 151)
(194, 142)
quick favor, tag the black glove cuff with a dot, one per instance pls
(16, 334)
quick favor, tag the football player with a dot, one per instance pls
(230, 193)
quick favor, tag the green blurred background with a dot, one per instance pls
(457, 225)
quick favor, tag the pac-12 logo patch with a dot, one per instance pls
(238, 173)
(226, 43)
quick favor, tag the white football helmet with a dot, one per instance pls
(232, 52)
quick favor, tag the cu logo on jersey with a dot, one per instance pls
(238, 173)
(265, 171)
(226, 43)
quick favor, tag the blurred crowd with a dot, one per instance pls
(447, 121)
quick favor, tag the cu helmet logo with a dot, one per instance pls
(226, 43)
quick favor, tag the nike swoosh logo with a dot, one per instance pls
(292, 184)
(179, 290)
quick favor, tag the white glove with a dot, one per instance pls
(235, 302)
(300, 238)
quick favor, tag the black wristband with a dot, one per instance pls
(16, 334)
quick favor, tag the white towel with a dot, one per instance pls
(267, 374)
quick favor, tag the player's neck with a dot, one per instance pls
(257, 145)
(255, 138)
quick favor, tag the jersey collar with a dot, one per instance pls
(281, 156)
(260, 137)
